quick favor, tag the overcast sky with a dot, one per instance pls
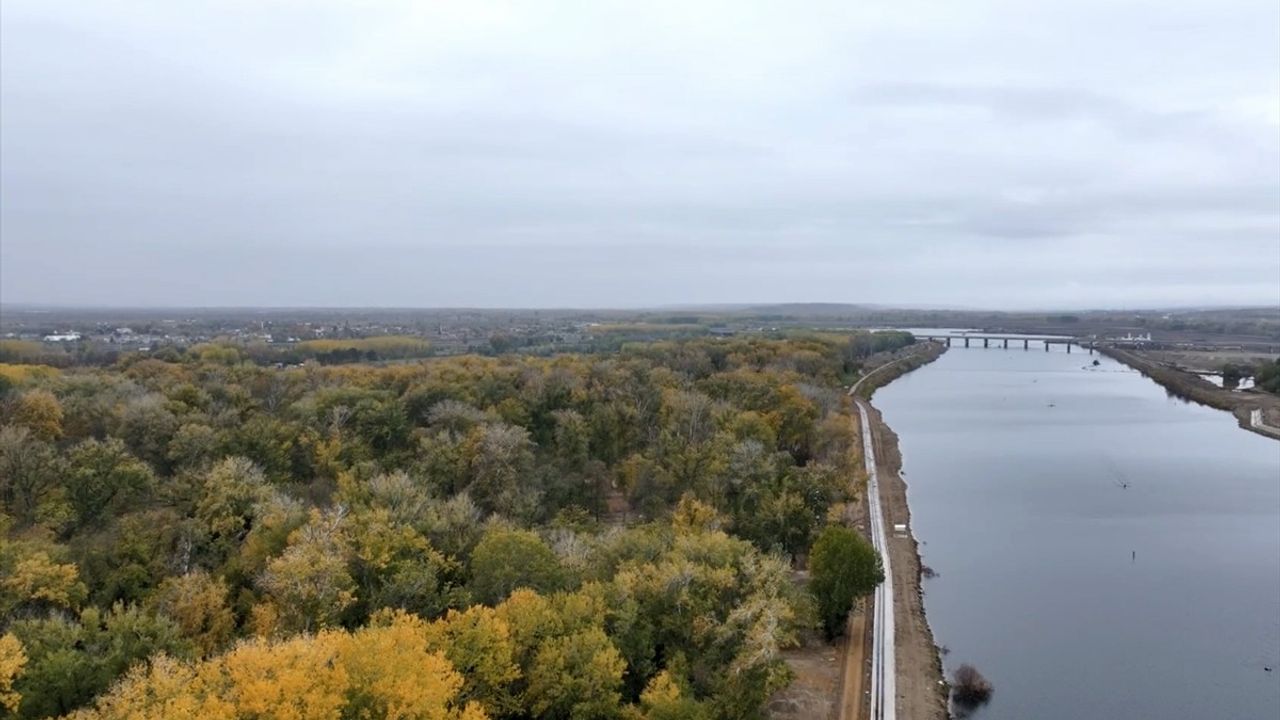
(980, 153)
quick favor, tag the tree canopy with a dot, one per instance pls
(843, 567)
(603, 535)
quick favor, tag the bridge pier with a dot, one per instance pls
(1046, 346)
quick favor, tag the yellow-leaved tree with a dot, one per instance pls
(32, 579)
(383, 671)
(198, 603)
(40, 411)
(12, 660)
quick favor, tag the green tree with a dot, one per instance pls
(440, 457)
(272, 444)
(29, 472)
(71, 661)
(147, 427)
(395, 567)
(576, 676)
(842, 567)
(383, 426)
(103, 476)
(227, 504)
(1267, 376)
(193, 445)
(131, 556)
(509, 559)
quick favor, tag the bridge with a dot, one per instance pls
(1004, 341)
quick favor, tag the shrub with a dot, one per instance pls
(969, 688)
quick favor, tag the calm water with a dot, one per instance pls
(1078, 597)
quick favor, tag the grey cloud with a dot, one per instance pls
(478, 154)
(1039, 104)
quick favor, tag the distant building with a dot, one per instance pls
(62, 337)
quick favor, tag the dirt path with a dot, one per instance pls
(854, 698)
(853, 694)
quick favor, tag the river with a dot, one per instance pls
(1103, 550)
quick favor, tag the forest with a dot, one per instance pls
(609, 535)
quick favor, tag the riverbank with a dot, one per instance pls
(830, 679)
(921, 691)
(889, 366)
(921, 694)
(1257, 412)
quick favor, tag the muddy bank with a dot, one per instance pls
(921, 692)
(830, 678)
(1190, 386)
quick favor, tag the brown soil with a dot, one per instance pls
(854, 697)
(815, 689)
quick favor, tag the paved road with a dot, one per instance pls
(883, 691)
